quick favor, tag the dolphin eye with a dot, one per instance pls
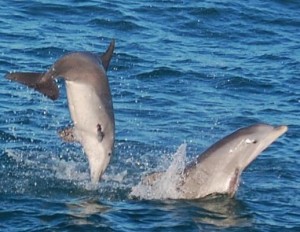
(249, 141)
(109, 154)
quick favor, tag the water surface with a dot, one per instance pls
(184, 72)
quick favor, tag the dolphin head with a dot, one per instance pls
(242, 146)
(99, 153)
(247, 143)
(218, 169)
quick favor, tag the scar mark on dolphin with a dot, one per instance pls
(100, 132)
(234, 183)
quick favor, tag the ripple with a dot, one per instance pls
(117, 24)
(241, 82)
(161, 72)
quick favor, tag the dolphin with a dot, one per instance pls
(89, 100)
(218, 169)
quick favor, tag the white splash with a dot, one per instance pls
(165, 186)
(43, 161)
(119, 177)
(43, 164)
(69, 170)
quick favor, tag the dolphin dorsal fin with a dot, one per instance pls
(106, 57)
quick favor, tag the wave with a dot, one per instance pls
(160, 72)
(116, 24)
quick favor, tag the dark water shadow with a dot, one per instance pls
(220, 212)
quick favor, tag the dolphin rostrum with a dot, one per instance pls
(218, 169)
(89, 101)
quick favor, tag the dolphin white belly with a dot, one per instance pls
(93, 120)
(86, 108)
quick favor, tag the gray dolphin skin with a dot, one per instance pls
(89, 100)
(218, 169)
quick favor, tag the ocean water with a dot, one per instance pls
(184, 75)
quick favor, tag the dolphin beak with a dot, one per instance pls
(276, 133)
(280, 130)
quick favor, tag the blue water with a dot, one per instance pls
(183, 72)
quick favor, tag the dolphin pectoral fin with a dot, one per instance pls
(37, 81)
(68, 135)
(106, 57)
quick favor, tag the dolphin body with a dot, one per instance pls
(218, 169)
(89, 100)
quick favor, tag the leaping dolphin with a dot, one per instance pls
(218, 169)
(89, 101)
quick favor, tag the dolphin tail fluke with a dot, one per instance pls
(37, 81)
(106, 57)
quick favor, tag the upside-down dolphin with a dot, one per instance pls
(89, 100)
(218, 169)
